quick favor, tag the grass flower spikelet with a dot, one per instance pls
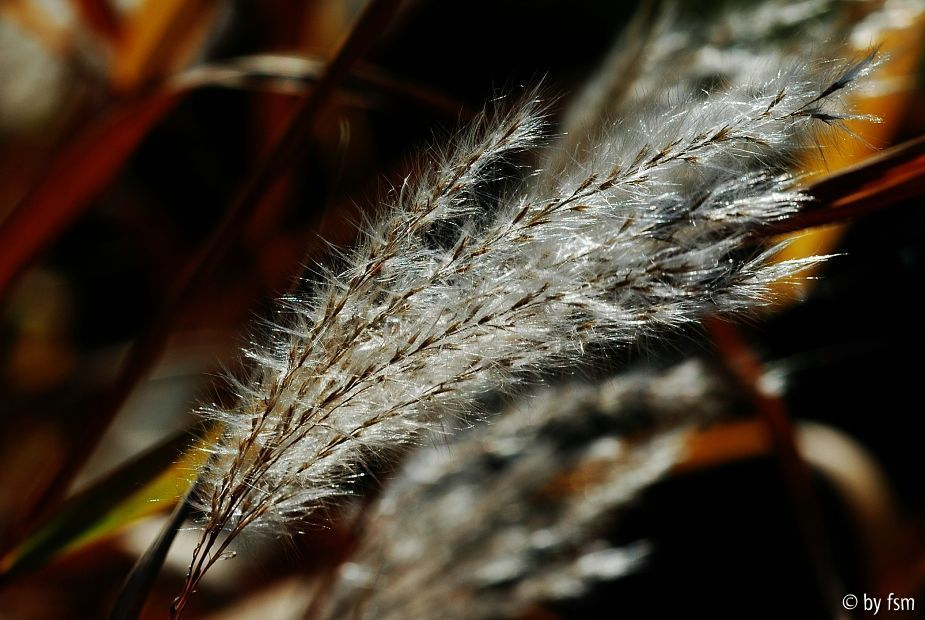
(459, 289)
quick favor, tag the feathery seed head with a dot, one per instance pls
(458, 290)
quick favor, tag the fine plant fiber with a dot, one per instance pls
(483, 271)
(665, 55)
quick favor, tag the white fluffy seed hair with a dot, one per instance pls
(669, 53)
(518, 512)
(454, 293)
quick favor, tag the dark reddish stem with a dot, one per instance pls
(747, 369)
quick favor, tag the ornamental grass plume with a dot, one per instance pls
(661, 59)
(484, 271)
(516, 513)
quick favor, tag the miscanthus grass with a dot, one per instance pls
(515, 514)
(484, 271)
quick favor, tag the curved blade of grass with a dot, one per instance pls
(145, 485)
(293, 73)
(884, 180)
(135, 590)
(889, 178)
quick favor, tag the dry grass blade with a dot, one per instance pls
(289, 73)
(887, 179)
